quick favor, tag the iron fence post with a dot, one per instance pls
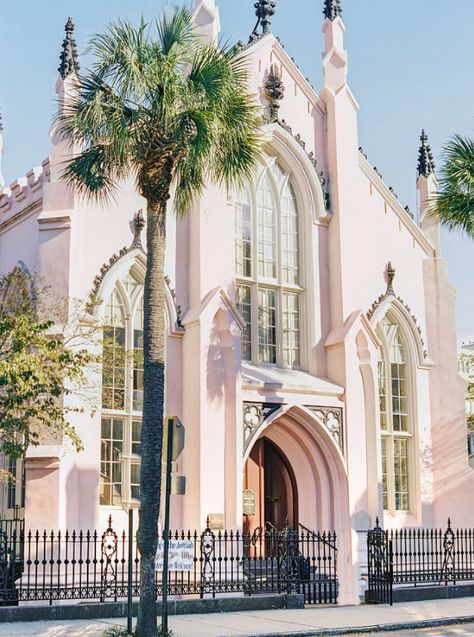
(130, 571)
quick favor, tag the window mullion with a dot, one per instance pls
(391, 473)
(279, 326)
(255, 324)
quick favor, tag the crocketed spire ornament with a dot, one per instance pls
(274, 91)
(264, 10)
(332, 9)
(426, 163)
(68, 57)
(390, 275)
(138, 225)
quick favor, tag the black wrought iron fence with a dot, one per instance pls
(78, 565)
(12, 522)
(418, 556)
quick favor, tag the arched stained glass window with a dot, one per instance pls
(268, 290)
(395, 418)
(122, 393)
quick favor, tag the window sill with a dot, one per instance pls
(400, 519)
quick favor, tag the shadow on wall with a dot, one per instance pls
(220, 358)
(82, 499)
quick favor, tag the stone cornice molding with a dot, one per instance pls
(376, 180)
(24, 214)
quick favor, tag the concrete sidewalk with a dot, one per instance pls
(310, 621)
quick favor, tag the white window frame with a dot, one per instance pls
(130, 305)
(389, 434)
(17, 486)
(255, 281)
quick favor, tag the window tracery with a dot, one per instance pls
(268, 277)
(122, 393)
(396, 419)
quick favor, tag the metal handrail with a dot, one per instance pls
(317, 536)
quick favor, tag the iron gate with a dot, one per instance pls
(380, 566)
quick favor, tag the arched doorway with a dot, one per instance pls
(270, 479)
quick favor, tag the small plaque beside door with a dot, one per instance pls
(249, 502)
(215, 521)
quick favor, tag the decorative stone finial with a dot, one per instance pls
(426, 163)
(390, 274)
(264, 10)
(332, 9)
(274, 91)
(68, 58)
(138, 225)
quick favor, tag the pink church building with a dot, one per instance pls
(311, 348)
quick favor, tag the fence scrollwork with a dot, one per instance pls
(109, 562)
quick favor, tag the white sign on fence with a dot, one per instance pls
(180, 555)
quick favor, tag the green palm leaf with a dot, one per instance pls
(454, 202)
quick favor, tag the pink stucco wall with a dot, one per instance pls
(344, 257)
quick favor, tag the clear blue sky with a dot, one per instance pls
(410, 66)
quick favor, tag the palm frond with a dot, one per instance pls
(210, 72)
(454, 202)
(121, 57)
(93, 175)
(161, 101)
(175, 30)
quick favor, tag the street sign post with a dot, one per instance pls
(174, 445)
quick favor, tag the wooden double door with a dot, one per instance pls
(268, 474)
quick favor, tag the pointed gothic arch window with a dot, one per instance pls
(122, 393)
(396, 417)
(268, 277)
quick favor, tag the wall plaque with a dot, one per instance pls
(215, 521)
(250, 502)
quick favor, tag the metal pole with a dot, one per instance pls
(130, 571)
(169, 451)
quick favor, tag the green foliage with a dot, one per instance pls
(38, 367)
(454, 202)
(162, 106)
(470, 391)
(121, 631)
(118, 631)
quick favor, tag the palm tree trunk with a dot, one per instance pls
(153, 401)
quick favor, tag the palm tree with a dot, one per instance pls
(454, 203)
(158, 104)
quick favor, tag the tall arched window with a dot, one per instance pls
(268, 290)
(396, 423)
(122, 393)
